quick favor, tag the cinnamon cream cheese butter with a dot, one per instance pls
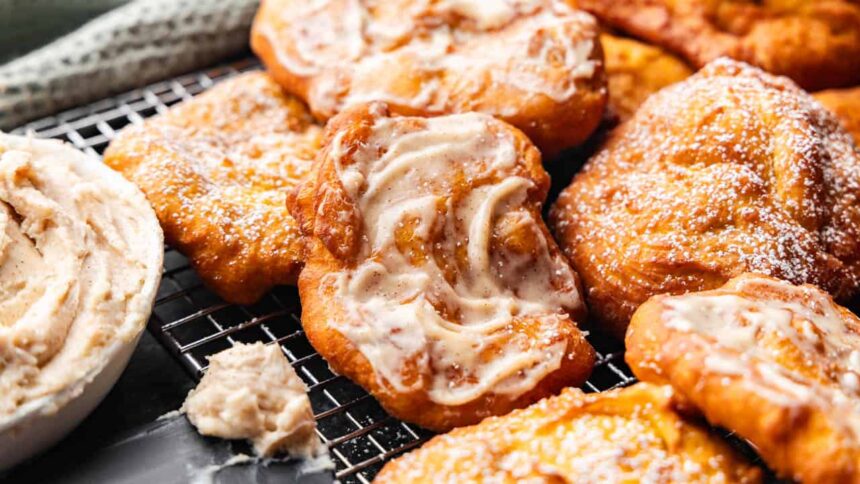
(80, 260)
(251, 392)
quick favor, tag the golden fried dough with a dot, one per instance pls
(535, 64)
(431, 279)
(845, 104)
(731, 170)
(626, 435)
(776, 363)
(814, 42)
(635, 70)
(216, 169)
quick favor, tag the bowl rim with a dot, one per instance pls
(42, 406)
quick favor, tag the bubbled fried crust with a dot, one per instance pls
(216, 170)
(774, 378)
(540, 70)
(732, 170)
(845, 104)
(635, 70)
(814, 42)
(627, 435)
(333, 226)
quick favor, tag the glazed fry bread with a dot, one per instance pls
(776, 363)
(535, 64)
(431, 279)
(731, 170)
(216, 169)
(627, 435)
(845, 104)
(814, 42)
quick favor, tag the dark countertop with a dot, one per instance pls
(152, 385)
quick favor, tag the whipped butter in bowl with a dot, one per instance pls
(80, 261)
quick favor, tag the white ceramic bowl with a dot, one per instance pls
(38, 425)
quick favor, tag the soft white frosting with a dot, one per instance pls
(543, 51)
(816, 328)
(455, 323)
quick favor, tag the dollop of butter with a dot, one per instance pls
(251, 392)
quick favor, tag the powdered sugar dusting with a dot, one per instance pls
(729, 171)
(216, 169)
(619, 436)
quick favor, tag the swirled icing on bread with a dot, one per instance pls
(816, 328)
(438, 267)
(535, 63)
(786, 354)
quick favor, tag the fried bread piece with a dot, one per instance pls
(635, 70)
(776, 363)
(845, 104)
(216, 169)
(537, 64)
(731, 170)
(431, 279)
(627, 435)
(814, 42)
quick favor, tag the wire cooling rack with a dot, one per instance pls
(192, 322)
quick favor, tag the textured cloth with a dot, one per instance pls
(28, 24)
(138, 43)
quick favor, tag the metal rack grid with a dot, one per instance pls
(192, 322)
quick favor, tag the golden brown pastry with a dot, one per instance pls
(635, 70)
(732, 170)
(536, 64)
(431, 279)
(845, 104)
(776, 363)
(626, 435)
(216, 169)
(814, 42)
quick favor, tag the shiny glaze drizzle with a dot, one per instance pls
(443, 284)
(792, 343)
(545, 48)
